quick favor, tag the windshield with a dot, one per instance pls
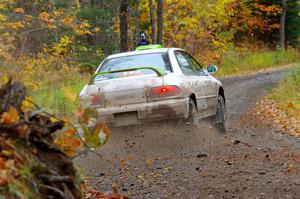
(157, 60)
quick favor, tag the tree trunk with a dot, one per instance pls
(83, 3)
(123, 25)
(152, 21)
(282, 24)
(159, 21)
(91, 39)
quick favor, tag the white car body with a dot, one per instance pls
(137, 99)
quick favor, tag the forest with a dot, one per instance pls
(88, 30)
(41, 38)
(54, 46)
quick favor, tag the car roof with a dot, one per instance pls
(159, 50)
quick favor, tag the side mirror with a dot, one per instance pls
(211, 69)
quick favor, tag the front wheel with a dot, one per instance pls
(221, 114)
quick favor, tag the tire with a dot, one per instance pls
(193, 113)
(220, 118)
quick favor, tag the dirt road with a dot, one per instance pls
(176, 161)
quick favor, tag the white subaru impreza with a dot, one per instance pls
(152, 84)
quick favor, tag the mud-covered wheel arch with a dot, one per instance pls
(222, 93)
(193, 111)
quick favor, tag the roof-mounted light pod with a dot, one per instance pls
(148, 47)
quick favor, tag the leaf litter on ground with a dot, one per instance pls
(266, 113)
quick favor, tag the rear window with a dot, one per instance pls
(158, 60)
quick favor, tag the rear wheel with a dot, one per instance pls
(221, 114)
(193, 113)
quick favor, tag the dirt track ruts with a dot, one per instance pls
(177, 161)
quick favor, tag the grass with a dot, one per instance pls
(242, 63)
(54, 98)
(287, 94)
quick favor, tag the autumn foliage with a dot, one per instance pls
(35, 147)
(28, 151)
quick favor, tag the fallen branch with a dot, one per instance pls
(56, 190)
(53, 179)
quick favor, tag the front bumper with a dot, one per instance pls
(124, 115)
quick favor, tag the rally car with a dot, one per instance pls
(155, 84)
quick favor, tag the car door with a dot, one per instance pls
(210, 87)
(192, 77)
(212, 94)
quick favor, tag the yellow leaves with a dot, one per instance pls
(29, 18)
(68, 142)
(144, 17)
(2, 163)
(44, 16)
(290, 105)
(27, 105)
(103, 133)
(3, 17)
(270, 10)
(19, 10)
(122, 162)
(53, 119)
(97, 29)
(54, 19)
(141, 177)
(148, 162)
(268, 114)
(94, 134)
(97, 135)
(83, 29)
(83, 32)
(100, 53)
(10, 117)
(7, 162)
(3, 80)
(2, 6)
(291, 169)
(275, 26)
(114, 188)
(67, 21)
(52, 26)
(6, 153)
(65, 40)
(69, 94)
(3, 178)
(84, 25)
(56, 14)
(15, 25)
(48, 20)
(61, 48)
(130, 157)
(217, 43)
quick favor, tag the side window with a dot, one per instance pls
(185, 64)
(197, 66)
